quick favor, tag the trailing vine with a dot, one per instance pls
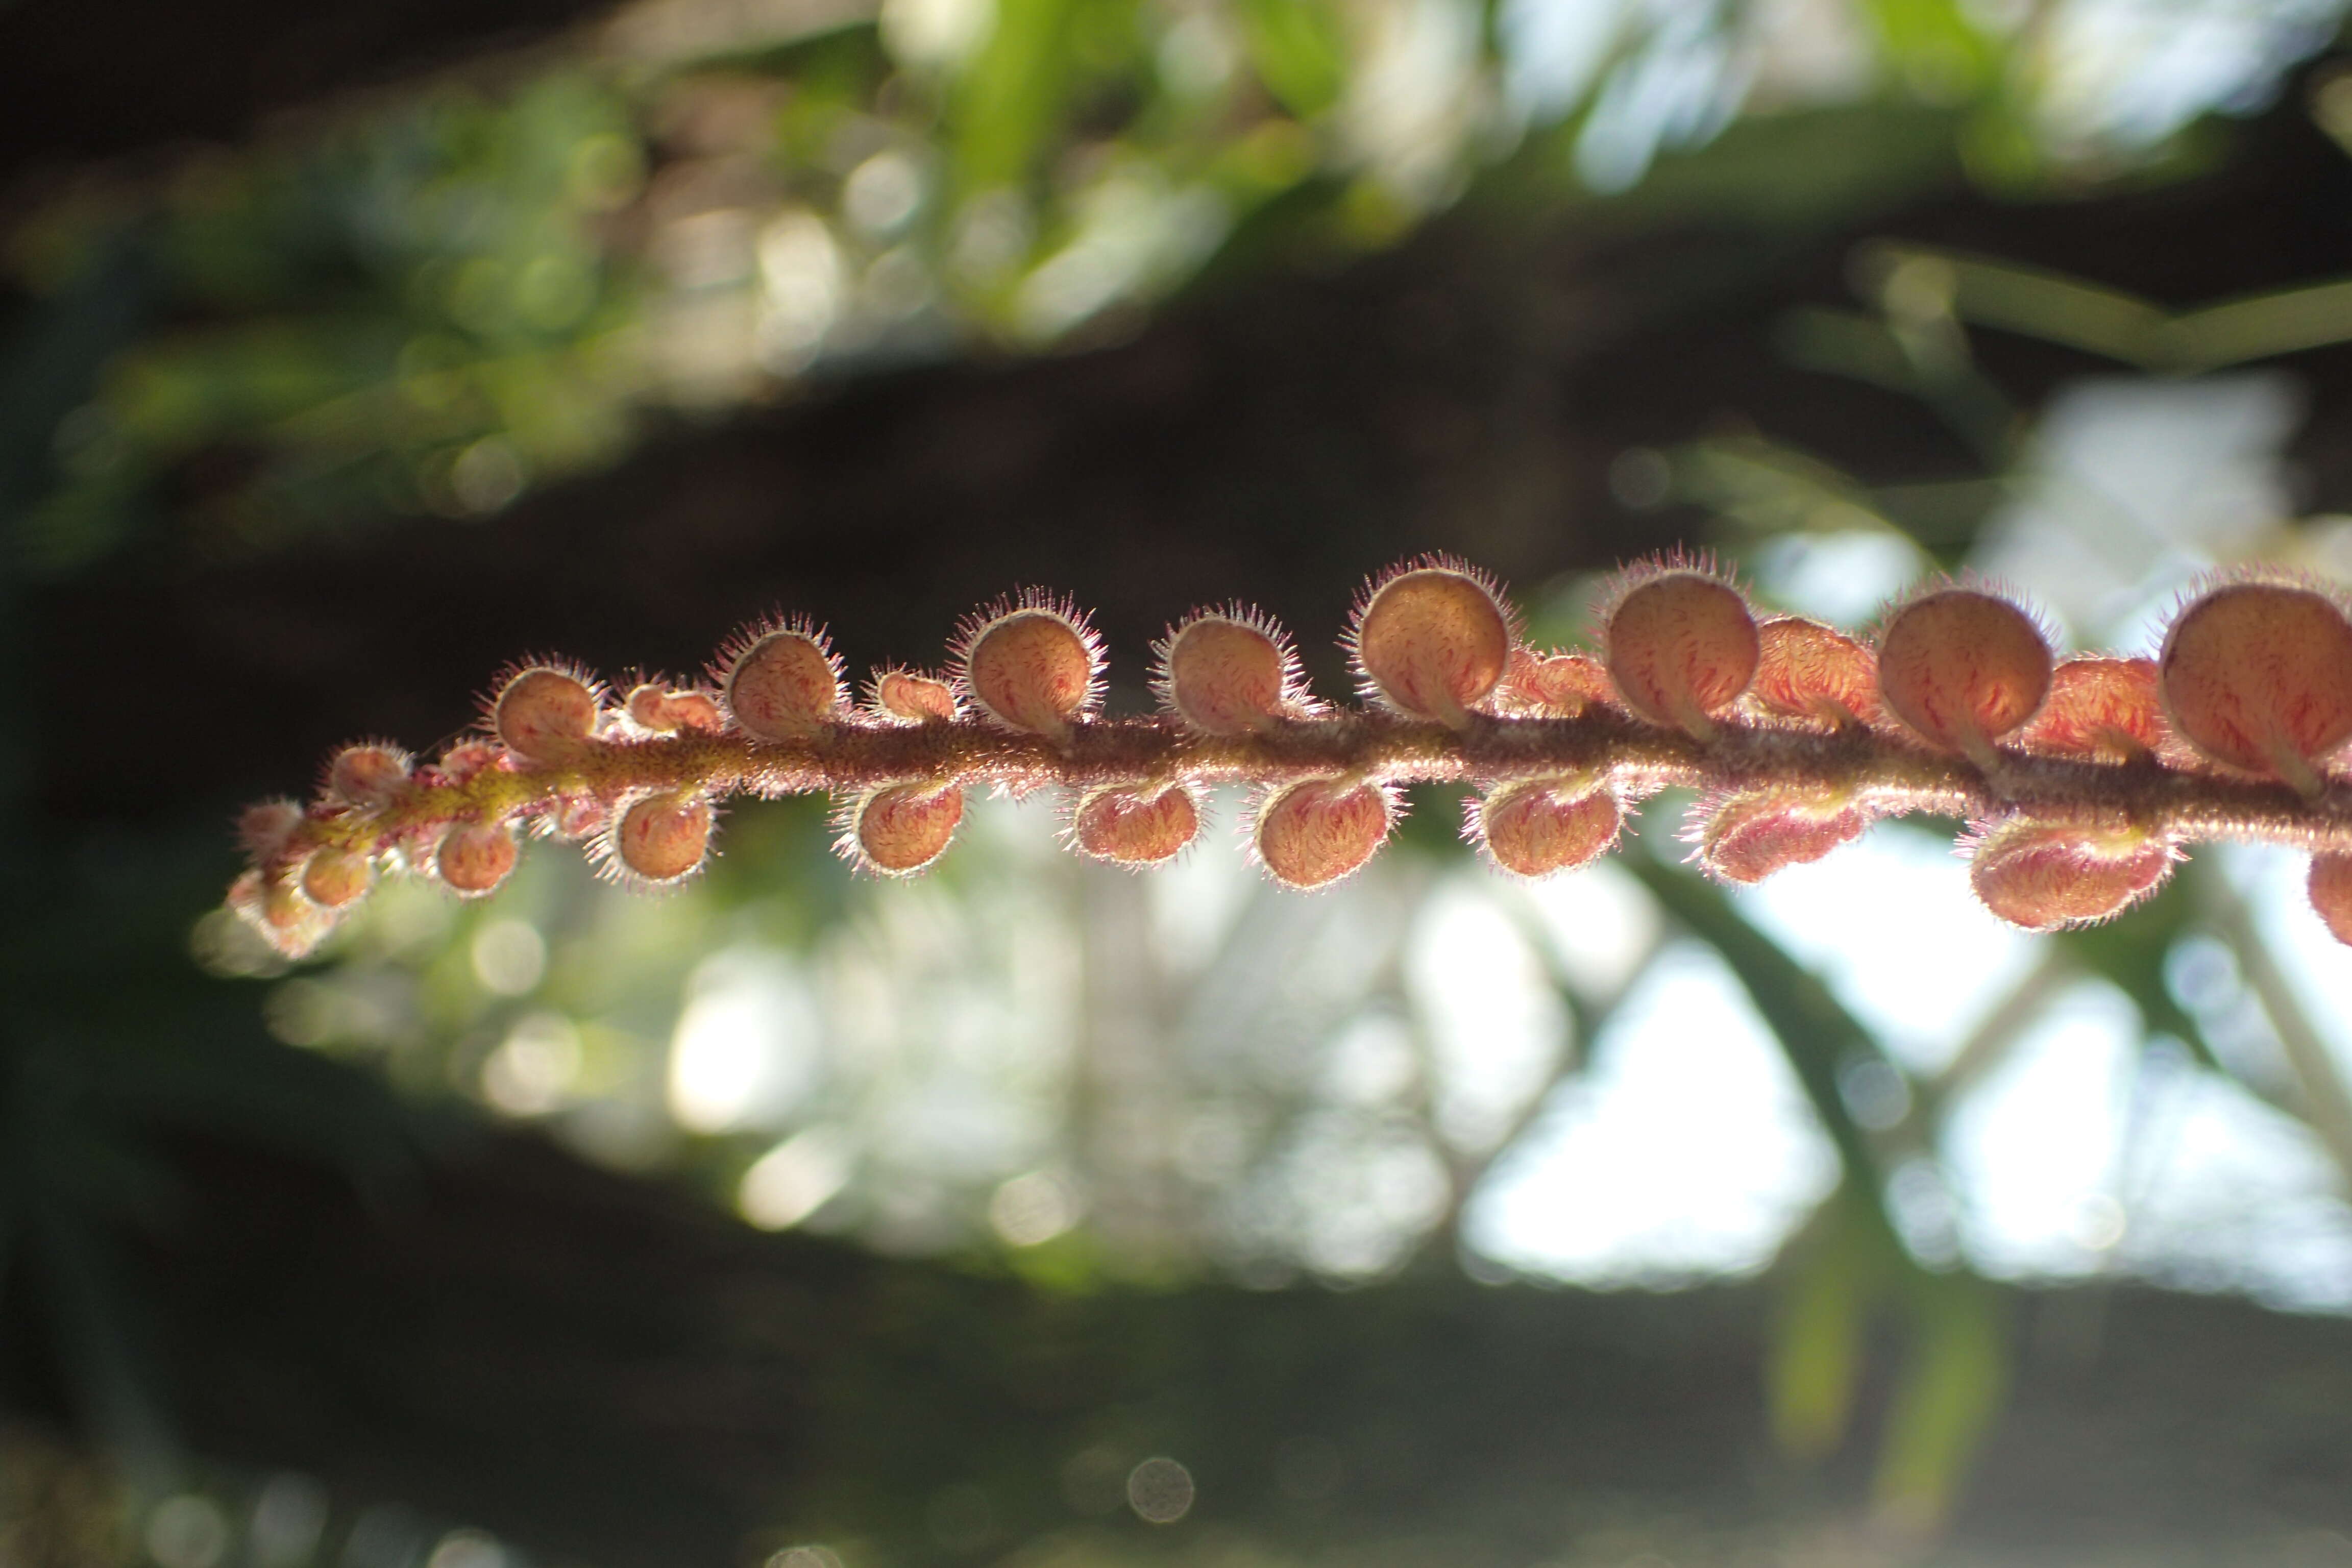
(2082, 780)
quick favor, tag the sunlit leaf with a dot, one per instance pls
(1954, 1381)
(1299, 51)
(1012, 97)
(1830, 1284)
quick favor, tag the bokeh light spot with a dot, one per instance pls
(187, 1531)
(805, 1557)
(466, 1548)
(535, 1067)
(1032, 1210)
(1160, 1491)
(289, 1516)
(794, 1179)
(510, 957)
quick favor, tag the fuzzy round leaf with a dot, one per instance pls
(1225, 676)
(265, 827)
(1807, 670)
(665, 713)
(2048, 876)
(1681, 646)
(464, 761)
(1312, 834)
(663, 837)
(646, 706)
(1031, 671)
(287, 921)
(1548, 826)
(545, 716)
(1961, 669)
(474, 858)
(579, 816)
(1749, 837)
(2331, 894)
(694, 711)
(1553, 686)
(782, 687)
(901, 828)
(2258, 676)
(914, 699)
(368, 777)
(1134, 827)
(1432, 643)
(335, 878)
(2107, 709)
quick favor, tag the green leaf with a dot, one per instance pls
(1814, 1358)
(1299, 51)
(1957, 1374)
(1941, 56)
(1012, 100)
(1951, 1387)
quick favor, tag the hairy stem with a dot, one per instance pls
(1891, 776)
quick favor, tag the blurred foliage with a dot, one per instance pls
(429, 303)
